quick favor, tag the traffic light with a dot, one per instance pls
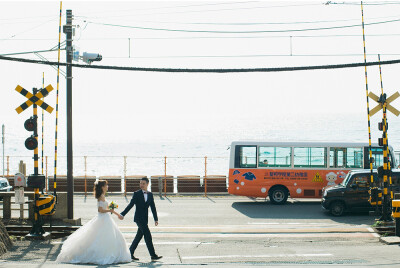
(30, 124)
(380, 126)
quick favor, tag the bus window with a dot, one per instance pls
(340, 158)
(354, 158)
(309, 157)
(274, 157)
(377, 154)
(246, 157)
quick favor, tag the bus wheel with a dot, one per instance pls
(278, 195)
(337, 208)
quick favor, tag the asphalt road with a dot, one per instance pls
(235, 231)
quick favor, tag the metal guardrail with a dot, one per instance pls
(159, 184)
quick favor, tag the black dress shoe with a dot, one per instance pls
(155, 257)
(134, 258)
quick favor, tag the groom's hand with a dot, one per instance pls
(156, 223)
(120, 217)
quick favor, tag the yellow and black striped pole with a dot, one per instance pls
(36, 150)
(58, 86)
(387, 140)
(386, 211)
(37, 222)
(366, 90)
(43, 132)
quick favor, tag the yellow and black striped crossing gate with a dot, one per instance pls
(46, 204)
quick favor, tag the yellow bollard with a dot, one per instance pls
(396, 215)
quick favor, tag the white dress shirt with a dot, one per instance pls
(145, 195)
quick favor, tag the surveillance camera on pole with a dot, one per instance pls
(91, 57)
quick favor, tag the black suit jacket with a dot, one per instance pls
(142, 207)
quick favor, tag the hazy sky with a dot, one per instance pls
(126, 105)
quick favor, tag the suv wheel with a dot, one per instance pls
(278, 195)
(337, 208)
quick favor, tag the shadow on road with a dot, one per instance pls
(35, 251)
(297, 210)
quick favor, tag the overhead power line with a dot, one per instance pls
(198, 70)
(254, 23)
(379, 3)
(213, 37)
(243, 32)
(30, 52)
(249, 56)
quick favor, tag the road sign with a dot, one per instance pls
(34, 99)
(19, 180)
(380, 104)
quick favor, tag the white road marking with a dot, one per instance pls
(264, 223)
(161, 243)
(294, 223)
(373, 232)
(186, 227)
(258, 256)
(177, 243)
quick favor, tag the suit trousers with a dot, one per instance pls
(143, 230)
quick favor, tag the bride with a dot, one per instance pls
(99, 241)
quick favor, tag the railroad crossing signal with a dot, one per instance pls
(44, 204)
(34, 98)
(380, 102)
(385, 194)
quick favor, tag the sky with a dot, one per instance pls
(124, 106)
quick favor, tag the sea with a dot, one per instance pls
(191, 150)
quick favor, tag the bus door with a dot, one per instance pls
(337, 157)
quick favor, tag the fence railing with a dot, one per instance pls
(159, 184)
(123, 173)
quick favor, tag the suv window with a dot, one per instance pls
(361, 180)
(396, 179)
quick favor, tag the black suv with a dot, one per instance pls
(352, 194)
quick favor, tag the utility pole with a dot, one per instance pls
(70, 180)
(2, 140)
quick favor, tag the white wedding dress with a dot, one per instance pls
(99, 242)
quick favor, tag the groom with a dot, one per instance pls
(143, 200)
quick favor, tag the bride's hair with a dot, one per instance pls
(97, 189)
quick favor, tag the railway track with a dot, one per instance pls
(385, 230)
